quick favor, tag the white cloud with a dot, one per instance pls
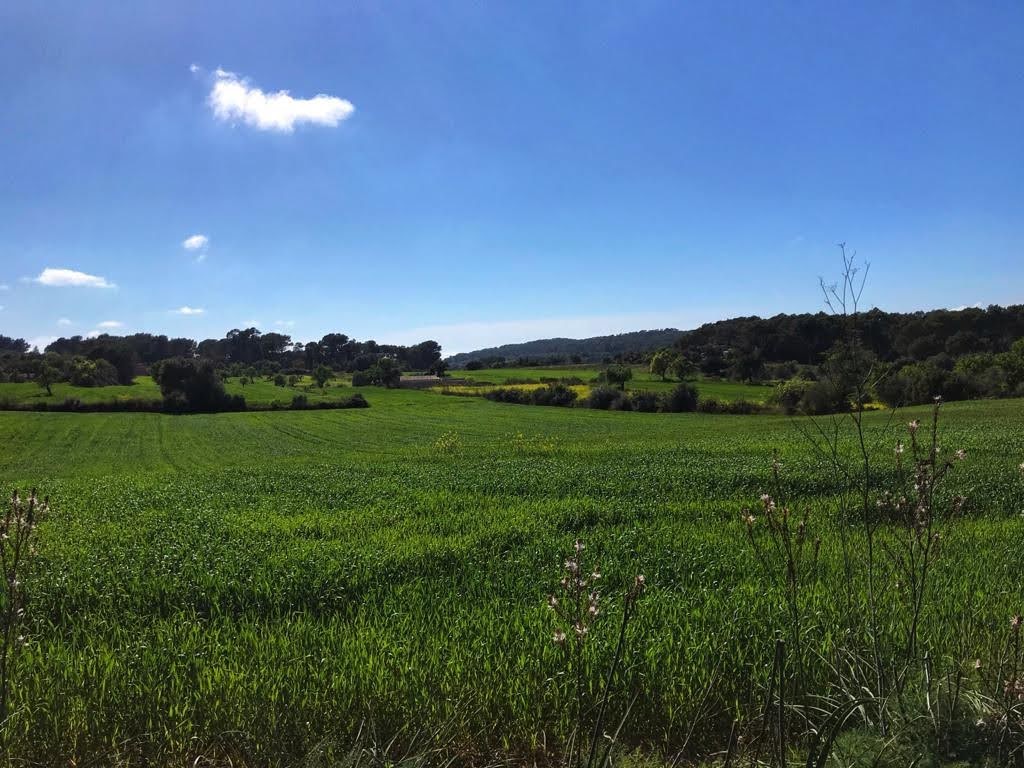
(962, 307)
(195, 242)
(1, 307)
(234, 99)
(108, 324)
(64, 321)
(40, 342)
(193, 68)
(59, 277)
(252, 323)
(186, 310)
(284, 323)
(4, 287)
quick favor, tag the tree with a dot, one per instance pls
(119, 355)
(321, 375)
(682, 368)
(46, 376)
(7, 344)
(661, 361)
(193, 385)
(618, 375)
(387, 373)
(439, 368)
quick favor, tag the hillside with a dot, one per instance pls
(591, 350)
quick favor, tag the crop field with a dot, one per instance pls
(642, 379)
(258, 587)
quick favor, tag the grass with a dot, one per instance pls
(255, 587)
(642, 379)
(260, 391)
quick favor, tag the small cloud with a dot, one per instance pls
(1, 307)
(63, 321)
(252, 323)
(195, 242)
(186, 310)
(193, 68)
(234, 99)
(59, 278)
(4, 287)
(284, 323)
(108, 324)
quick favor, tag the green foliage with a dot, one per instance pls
(193, 386)
(322, 375)
(660, 363)
(617, 375)
(682, 399)
(92, 373)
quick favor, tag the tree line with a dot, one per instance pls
(107, 359)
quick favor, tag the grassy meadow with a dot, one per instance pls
(259, 391)
(258, 587)
(643, 380)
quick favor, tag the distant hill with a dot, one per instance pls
(592, 350)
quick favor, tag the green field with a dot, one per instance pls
(257, 586)
(642, 379)
(259, 392)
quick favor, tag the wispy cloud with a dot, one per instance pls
(63, 321)
(234, 99)
(110, 324)
(60, 277)
(186, 310)
(962, 307)
(252, 323)
(284, 323)
(4, 287)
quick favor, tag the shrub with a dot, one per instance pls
(193, 386)
(601, 397)
(553, 394)
(789, 394)
(646, 402)
(682, 399)
(508, 395)
(362, 379)
(299, 403)
(280, 380)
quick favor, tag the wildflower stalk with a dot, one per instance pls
(16, 549)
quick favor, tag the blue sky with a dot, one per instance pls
(484, 172)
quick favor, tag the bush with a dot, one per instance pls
(280, 380)
(646, 402)
(682, 399)
(601, 397)
(193, 386)
(508, 395)
(300, 402)
(362, 379)
(553, 394)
